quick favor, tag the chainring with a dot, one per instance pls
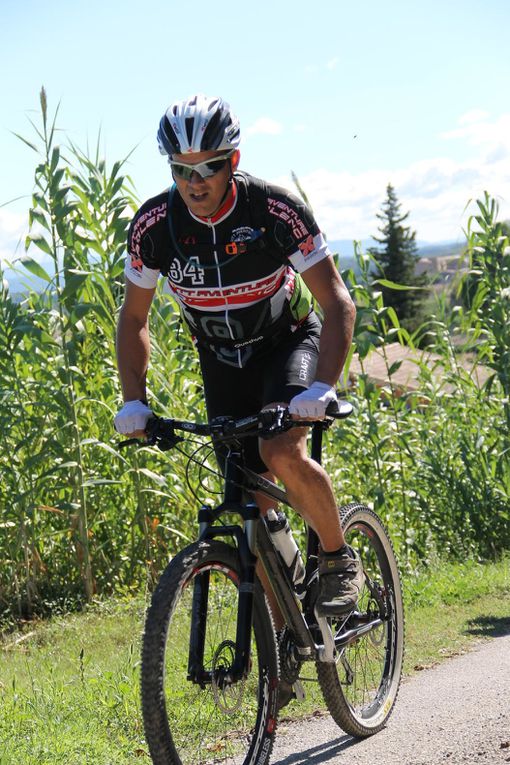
(290, 665)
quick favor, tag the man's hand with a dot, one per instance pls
(312, 403)
(132, 418)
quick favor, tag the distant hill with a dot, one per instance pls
(343, 247)
(441, 250)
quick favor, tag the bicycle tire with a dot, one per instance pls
(361, 687)
(186, 724)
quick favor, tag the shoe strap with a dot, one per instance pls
(335, 564)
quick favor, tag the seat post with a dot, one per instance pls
(316, 455)
(316, 450)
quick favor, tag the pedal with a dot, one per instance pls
(327, 650)
(299, 690)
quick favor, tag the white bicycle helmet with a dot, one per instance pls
(198, 124)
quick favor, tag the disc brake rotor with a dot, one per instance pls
(228, 695)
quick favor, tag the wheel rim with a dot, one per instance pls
(369, 668)
(213, 724)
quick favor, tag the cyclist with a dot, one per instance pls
(243, 259)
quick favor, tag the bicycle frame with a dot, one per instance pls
(253, 542)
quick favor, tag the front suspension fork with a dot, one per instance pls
(199, 611)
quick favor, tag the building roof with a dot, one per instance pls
(406, 377)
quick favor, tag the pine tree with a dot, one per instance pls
(397, 258)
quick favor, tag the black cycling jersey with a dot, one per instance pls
(235, 275)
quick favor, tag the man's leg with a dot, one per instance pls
(310, 492)
(307, 484)
(238, 393)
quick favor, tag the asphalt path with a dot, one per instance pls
(457, 713)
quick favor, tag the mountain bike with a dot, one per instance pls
(211, 660)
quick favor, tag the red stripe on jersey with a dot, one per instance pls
(239, 295)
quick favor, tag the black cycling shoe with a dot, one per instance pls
(341, 580)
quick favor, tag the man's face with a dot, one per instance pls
(203, 196)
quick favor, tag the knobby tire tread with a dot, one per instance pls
(157, 731)
(336, 702)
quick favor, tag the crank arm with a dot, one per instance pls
(327, 651)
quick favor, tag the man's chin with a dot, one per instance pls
(200, 207)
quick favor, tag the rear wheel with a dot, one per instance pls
(192, 723)
(361, 687)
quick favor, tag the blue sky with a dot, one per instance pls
(348, 95)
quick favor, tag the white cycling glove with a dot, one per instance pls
(133, 416)
(313, 402)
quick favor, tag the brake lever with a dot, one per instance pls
(160, 435)
(272, 422)
(129, 442)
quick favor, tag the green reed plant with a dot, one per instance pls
(432, 461)
(69, 377)
(465, 465)
(380, 440)
(122, 512)
(16, 538)
(487, 287)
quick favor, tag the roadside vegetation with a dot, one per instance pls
(81, 520)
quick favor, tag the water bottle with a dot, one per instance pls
(285, 543)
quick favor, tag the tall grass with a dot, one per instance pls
(80, 518)
(435, 461)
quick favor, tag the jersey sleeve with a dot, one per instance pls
(296, 231)
(145, 244)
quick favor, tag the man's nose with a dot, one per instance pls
(196, 178)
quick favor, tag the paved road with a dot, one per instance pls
(455, 713)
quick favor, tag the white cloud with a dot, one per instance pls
(333, 63)
(478, 130)
(475, 115)
(12, 223)
(435, 191)
(265, 126)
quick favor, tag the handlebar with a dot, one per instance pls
(268, 423)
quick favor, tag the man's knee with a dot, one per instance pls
(282, 455)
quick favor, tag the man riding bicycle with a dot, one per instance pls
(244, 260)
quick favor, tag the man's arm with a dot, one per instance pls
(133, 344)
(339, 312)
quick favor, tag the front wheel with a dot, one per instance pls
(206, 720)
(361, 688)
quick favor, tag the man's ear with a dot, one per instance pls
(235, 159)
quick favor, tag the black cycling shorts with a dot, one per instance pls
(275, 377)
